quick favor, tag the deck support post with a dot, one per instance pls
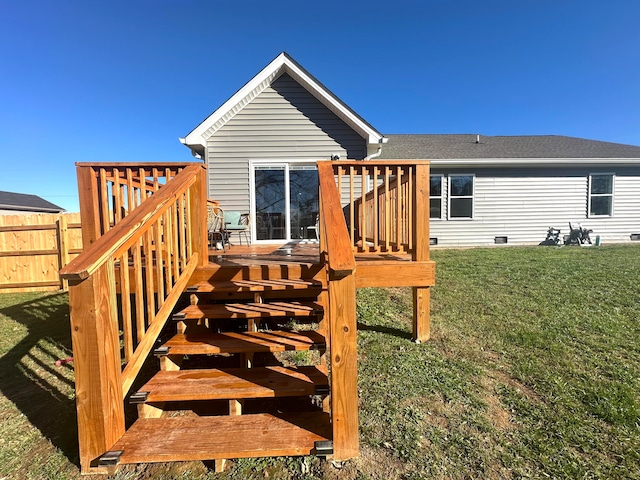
(94, 333)
(421, 295)
(344, 367)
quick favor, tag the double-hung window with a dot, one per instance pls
(460, 196)
(601, 194)
(435, 197)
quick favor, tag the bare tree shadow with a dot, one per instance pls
(29, 376)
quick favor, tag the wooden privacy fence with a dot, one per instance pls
(34, 247)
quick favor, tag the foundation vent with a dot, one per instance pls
(433, 241)
(499, 240)
(635, 236)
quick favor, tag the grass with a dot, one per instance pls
(533, 371)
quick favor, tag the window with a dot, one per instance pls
(461, 196)
(435, 197)
(601, 195)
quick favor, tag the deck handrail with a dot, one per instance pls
(341, 260)
(340, 316)
(124, 286)
(122, 236)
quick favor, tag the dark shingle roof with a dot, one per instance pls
(23, 201)
(455, 146)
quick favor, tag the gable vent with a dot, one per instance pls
(499, 240)
(635, 236)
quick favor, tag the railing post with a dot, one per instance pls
(344, 366)
(421, 295)
(198, 219)
(94, 333)
(89, 197)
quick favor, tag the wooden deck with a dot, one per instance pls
(179, 298)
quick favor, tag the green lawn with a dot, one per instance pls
(533, 371)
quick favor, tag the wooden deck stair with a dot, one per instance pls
(158, 435)
(226, 387)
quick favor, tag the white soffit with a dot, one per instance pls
(281, 64)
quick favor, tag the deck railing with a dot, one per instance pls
(146, 256)
(110, 191)
(386, 204)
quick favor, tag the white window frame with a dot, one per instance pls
(440, 197)
(272, 162)
(472, 196)
(590, 195)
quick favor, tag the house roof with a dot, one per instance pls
(23, 201)
(464, 149)
(283, 63)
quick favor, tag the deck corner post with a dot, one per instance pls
(344, 367)
(89, 197)
(421, 295)
(94, 334)
(198, 218)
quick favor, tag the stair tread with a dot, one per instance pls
(187, 438)
(241, 342)
(234, 383)
(254, 285)
(250, 310)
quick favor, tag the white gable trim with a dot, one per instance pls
(280, 65)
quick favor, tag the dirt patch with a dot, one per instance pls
(373, 463)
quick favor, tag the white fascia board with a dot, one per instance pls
(281, 64)
(533, 162)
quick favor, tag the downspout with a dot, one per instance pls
(377, 154)
(374, 155)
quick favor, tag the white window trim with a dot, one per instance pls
(612, 194)
(441, 197)
(472, 197)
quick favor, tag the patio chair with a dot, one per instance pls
(215, 228)
(236, 222)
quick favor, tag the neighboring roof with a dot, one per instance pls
(283, 63)
(526, 149)
(23, 201)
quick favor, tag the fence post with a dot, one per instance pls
(96, 350)
(421, 295)
(63, 248)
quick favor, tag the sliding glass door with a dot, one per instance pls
(285, 201)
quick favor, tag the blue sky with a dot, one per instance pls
(122, 80)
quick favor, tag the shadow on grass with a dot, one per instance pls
(396, 332)
(29, 377)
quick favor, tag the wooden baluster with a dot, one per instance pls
(104, 202)
(363, 206)
(399, 187)
(139, 290)
(376, 212)
(125, 299)
(352, 218)
(387, 209)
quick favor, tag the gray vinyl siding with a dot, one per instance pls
(523, 203)
(284, 122)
